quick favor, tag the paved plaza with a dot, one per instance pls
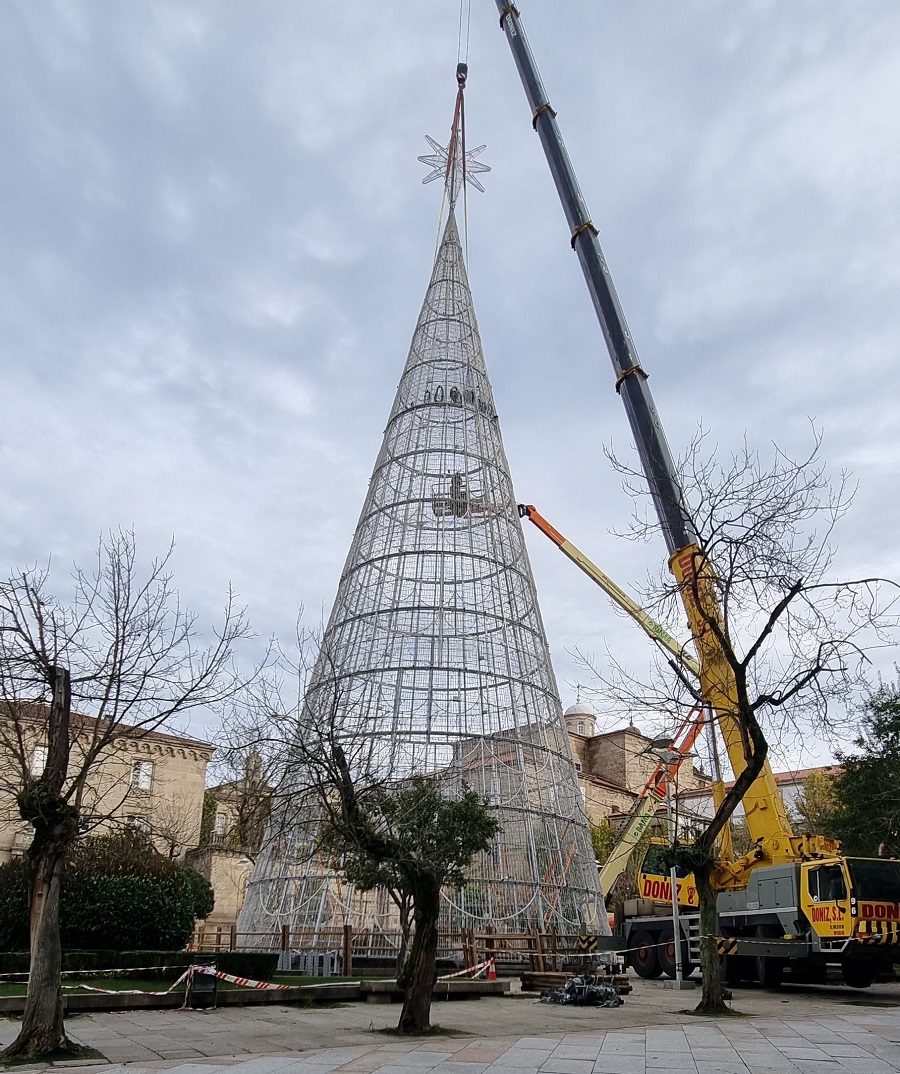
(798, 1031)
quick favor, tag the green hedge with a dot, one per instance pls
(115, 888)
(258, 966)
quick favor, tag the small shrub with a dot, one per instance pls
(257, 965)
(15, 884)
(204, 900)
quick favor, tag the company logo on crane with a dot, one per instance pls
(879, 911)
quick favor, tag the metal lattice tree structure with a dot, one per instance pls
(434, 659)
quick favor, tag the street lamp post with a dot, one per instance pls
(673, 876)
(670, 756)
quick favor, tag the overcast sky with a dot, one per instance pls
(215, 243)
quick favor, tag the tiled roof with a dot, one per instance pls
(37, 712)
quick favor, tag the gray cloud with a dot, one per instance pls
(216, 244)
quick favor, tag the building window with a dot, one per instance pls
(577, 766)
(219, 825)
(39, 760)
(137, 821)
(580, 727)
(583, 790)
(142, 775)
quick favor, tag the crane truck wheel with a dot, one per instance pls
(643, 955)
(858, 974)
(667, 956)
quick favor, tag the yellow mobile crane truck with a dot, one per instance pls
(791, 896)
(790, 899)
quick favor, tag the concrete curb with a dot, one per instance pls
(345, 992)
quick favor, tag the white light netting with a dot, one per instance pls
(436, 656)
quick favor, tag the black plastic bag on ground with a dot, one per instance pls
(583, 991)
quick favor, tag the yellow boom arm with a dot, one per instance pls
(767, 820)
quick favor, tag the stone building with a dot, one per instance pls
(144, 779)
(154, 781)
(228, 869)
(239, 812)
(614, 766)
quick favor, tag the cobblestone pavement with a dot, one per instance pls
(803, 1033)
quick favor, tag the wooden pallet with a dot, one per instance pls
(540, 982)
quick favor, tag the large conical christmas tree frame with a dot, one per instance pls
(434, 659)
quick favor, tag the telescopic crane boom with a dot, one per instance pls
(653, 791)
(766, 817)
(792, 897)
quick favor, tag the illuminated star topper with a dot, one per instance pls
(453, 177)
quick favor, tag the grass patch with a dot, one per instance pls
(121, 984)
(116, 983)
(125, 984)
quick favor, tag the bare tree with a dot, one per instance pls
(123, 652)
(783, 647)
(245, 785)
(175, 825)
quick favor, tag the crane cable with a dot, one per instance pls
(465, 11)
(457, 139)
(458, 128)
(462, 56)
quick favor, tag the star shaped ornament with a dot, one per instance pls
(453, 174)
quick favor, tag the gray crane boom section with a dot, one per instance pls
(631, 380)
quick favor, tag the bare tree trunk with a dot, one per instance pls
(711, 1000)
(420, 972)
(42, 1024)
(55, 830)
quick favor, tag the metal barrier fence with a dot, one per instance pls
(336, 950)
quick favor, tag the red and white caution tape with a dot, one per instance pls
(132, 991)
(472, 971)
(112, 971)
(211, 971)
(188, 973)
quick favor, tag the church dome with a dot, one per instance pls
(580, 719)
(580, 708)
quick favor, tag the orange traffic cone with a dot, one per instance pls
(492, 972)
